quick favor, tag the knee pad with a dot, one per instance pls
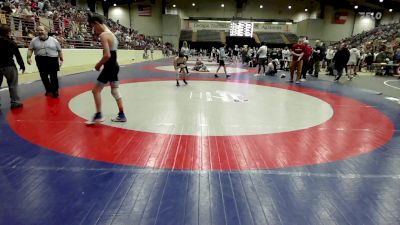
(115, 93)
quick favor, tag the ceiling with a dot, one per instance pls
(363, 4)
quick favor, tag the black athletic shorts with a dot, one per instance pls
(222, 62)
(261, 61)
(110, 70)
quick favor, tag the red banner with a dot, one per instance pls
(340, 17)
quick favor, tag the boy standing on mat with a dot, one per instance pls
(180, 68)
(109, 72)
(221, 61)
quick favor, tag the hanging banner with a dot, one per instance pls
(282, 28)
(195, 26)
(340, 17)
(225, 26)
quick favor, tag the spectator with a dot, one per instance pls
(8, 50)
(271, 68)
(297, 52)
(340, 59)
(352, 63)
(396, 56)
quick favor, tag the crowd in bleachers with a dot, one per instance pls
(377, 46)
(388, 34)
(382, 39)
(67, 23)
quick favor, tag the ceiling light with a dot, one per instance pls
(390, 10)
(222, 5)
(261, 6)
(115, 4)
(356, 7)
(380, 0)
(306, 10)
(174, 5)
(193, 4)
(289, 7)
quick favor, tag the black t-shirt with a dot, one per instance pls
(319, 55)
(274, 55)
(8, 49)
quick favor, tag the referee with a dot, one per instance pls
(49, 57)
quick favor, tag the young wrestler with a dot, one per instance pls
(109, 72)
(180, 65)
(221, 60)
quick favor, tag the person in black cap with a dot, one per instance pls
(9, 49)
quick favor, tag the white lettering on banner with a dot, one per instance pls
(209, 26)
(285, 28)
(258, 27)
(372, 15)
(268, 27)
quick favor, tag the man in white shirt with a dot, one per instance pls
(221, 61)
(330, 53)
(262, 57)
(286, 58)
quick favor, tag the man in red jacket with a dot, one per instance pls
(297, 51)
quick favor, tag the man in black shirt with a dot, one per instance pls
(317, 56)
(340, 59)
(8, 50)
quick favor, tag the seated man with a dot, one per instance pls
(276, 64)
(271, 68)
(199, 66)
(253, 62)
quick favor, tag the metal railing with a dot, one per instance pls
(23, 30)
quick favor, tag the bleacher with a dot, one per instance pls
(186, 35)
(69, 27)
(208, 36)
(271, 38)
(292, 38)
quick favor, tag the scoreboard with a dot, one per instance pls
(241, 28)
